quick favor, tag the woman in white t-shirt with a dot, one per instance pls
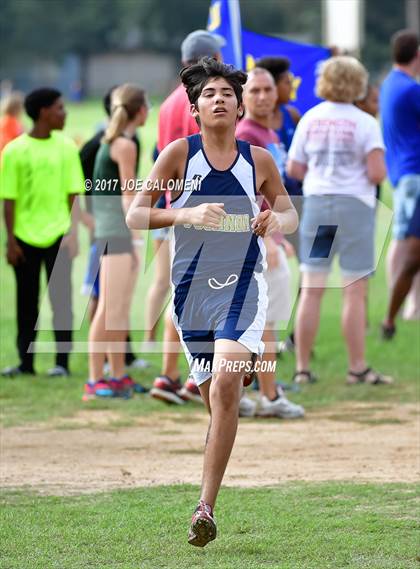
(338, 152)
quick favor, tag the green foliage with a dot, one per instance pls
(51, 28)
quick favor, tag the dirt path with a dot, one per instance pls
(353, 442)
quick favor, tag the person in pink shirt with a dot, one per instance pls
(259, 99)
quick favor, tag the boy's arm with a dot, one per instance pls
(9, 186)
(14, 252)
(169, 165)
(282, 216)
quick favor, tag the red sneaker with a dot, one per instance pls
(133, 386)
(203, 526)
(121, 388)
(190, 391)
(165, 389)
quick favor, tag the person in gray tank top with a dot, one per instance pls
(113, 185)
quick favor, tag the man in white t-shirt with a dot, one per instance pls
(338, 152)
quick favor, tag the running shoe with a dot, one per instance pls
(132, 385)
(58, 371)
(190, 392)
(203, 526)
(165, 389)
(138, 363)
(387, 331)
(247, 406)
(122, 387)
(286, 346)
(280, 407)
(13, 371)
(101, 388)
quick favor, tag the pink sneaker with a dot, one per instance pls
(203, 526)
(101, 388)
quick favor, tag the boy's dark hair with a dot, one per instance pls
(405, 45)
(107, 100)
(275, 65)
(40, 99)
(195, 77)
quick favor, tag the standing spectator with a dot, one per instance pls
(284, 122)
(176, 121)
(338, 152)
(113, 182)
(410, 267)
(10, 126)
(91, 283)
(370, 105)
(400, 111)
(40, 177)
(259, 99)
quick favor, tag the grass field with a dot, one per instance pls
(291, 526)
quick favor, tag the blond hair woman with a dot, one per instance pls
(338, 152)
(113, 189)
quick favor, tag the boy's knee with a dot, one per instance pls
(226, 389)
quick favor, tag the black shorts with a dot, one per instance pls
(114, 245)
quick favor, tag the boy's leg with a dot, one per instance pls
(27, 275)
(224, 394)
(58, 265)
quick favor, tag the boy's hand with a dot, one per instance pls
(14, 253)
(265, 223)
(207, 214)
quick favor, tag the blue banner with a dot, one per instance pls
(225, 20)
(304, 60)
(243, 48)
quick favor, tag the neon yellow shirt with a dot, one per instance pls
(39, 174)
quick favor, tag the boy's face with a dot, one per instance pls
(55, 115)
(217, 104)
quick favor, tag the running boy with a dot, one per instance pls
(220, 295)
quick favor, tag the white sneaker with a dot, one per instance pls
(281, 407)
(139, 363)
(58, 371)
(286, 346)
(247, 407)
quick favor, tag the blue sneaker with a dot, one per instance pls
(101, 388)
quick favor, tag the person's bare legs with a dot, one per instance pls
(224, 393)
(353, 322)
(97, 333)
(120, 277)
(410, 267)
(110, 323)
(394, 262)
(267, 379)
(307, 317)
(92, 306)
(158, 289)
(170, 343)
